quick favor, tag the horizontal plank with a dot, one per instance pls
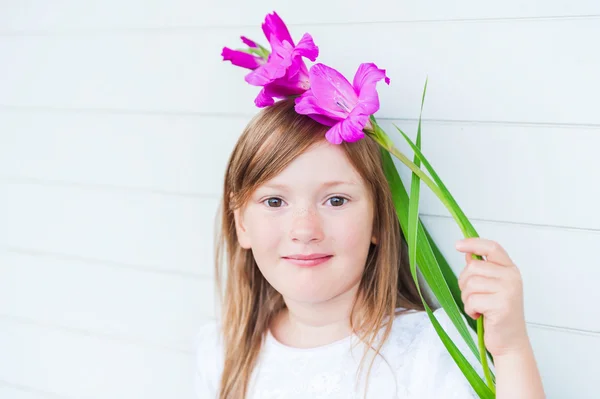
(566, 362)
(551, 261)
(533, 175)
(174, 234)
(482, 71)
(528, 166)
(181, 154)
(85, 366)
(36, 15)
(11, 391)
(152, 308)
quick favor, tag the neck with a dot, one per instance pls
(308, 325)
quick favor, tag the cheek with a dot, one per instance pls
(353, 233)
(265, 233)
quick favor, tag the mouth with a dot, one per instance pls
(307, 260)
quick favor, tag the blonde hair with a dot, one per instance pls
(269, 143)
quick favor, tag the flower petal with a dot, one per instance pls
(307, 104)
(352, 130)
(323, 120)
(334, 135)
(298, 71)
(365, 82)
(285, 87)
(306, 48)
(279, 88)
(241, 59)
(248, 42)
(268, 72)
(349, 130)
(275, 26)
(264, 99)
(283, 62)
(333, 93)
(283, 58)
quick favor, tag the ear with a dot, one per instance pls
(374, 240)
(240, 229)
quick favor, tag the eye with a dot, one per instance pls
(337, 201)
(273, 202)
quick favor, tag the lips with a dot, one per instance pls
(308, 260)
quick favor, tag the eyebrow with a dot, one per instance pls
(324, 185)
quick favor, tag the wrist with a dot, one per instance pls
(523, 348)
(517, 375)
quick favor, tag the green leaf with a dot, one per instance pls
(465, 225)
(419, 155)
(430, 269)
(450, 278)
(384, 141)
(426, 259)
(259, 51)
(413, 217)
(263, 52)
(470, 232)
(468, 371)
(413, 223)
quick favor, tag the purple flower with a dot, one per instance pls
(244, 59)
(282, 72)
(333, 101)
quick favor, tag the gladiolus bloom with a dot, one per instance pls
(333, 101)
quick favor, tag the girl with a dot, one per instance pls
(316, 293)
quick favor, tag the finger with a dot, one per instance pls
(470, 256)
(480, 285)
(479, 304)
(480, 268)
(482, 247)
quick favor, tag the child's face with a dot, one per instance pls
(302, 211)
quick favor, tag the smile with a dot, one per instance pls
(307, 261)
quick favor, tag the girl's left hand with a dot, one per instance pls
(493, 287)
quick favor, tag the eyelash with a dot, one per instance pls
(277, 198)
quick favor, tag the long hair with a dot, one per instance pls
(269, 143)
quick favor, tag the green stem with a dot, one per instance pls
(419, 172)
(384, 141)
(483, 356)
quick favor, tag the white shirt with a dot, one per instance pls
(416, 365)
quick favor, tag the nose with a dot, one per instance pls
(306, 227)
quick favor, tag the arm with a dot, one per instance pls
(517, 375)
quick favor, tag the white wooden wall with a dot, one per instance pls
(116, 119)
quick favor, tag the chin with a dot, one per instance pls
(313, 295)
(313, 285)
(309, 298)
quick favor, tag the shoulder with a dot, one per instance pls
(208, 337)
(208, 341)
(209, 360)
(410, 326)
(429, 370)
(424, 339)
(415, 326)
(430, 342)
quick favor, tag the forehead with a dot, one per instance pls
(321, 163)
